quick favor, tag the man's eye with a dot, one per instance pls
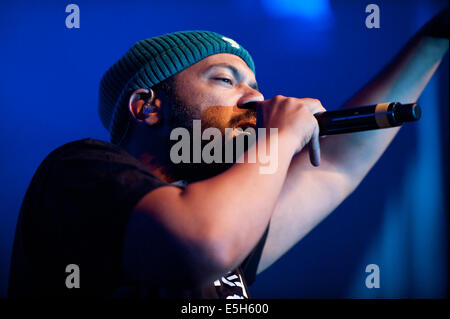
(226, 80)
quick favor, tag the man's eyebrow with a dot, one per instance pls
(235, 71)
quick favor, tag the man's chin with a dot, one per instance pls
(230, 147)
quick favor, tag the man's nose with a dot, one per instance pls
(250, 100)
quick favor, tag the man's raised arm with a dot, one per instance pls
(311, 193)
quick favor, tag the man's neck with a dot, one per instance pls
(159, 164)
(153, 166)
(154, 163)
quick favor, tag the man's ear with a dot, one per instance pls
(145, 107)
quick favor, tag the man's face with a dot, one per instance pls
(213, 91)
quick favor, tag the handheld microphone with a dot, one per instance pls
(364, 118)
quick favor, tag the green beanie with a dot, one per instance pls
(151, 61)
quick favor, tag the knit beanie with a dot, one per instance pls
(151, 61)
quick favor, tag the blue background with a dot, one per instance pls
(396, 219)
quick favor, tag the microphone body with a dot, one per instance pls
(364, 118)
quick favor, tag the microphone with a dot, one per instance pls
(364, 118)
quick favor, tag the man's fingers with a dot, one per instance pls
(314, 148)
(314, 105)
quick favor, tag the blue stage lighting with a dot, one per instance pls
(310, 9)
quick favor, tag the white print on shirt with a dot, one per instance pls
(235, 297)
(237, 283)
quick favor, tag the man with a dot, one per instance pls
(133, 223)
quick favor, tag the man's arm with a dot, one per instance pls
(311, 193)
(193, 236)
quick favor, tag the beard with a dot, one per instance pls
(183, 115)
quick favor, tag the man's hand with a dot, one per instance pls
(295, 117)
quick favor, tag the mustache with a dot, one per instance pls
(249, 115)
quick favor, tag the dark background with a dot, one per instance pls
(396, 219)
